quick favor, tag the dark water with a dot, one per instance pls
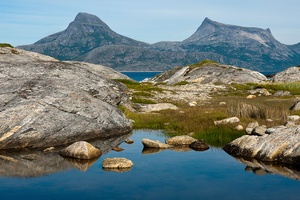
(168, 174)
(139, 76)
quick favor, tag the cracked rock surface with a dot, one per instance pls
(45, 102)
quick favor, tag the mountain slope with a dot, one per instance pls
(84, 34)
(252, 45)
(89, 39)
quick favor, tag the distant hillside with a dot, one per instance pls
(89, 39)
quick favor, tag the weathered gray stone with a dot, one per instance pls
(259, 130)
(291, 74)
(199, 145)
(293, 118)
(157, 107)
(281, 146)
(180, 140)
(45, 102)
(296, 106)
(116, 163)
(251, 126)
(282, 93)
(155, 144)
(81, 150)
(210, 73)
(289, 123)
(230, 120)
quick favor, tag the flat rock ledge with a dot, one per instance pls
(282, 145)
(117, 163)
(81, 150)
(155, 144)
(180, 140)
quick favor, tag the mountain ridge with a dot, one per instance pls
(89, 39)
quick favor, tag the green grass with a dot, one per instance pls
(6, 45)
(142, 100)
(293, 87)
(203, 62)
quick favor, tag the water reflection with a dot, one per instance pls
(34, 163)
(261, 168)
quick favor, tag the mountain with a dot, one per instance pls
(89, 39)
(84, 34)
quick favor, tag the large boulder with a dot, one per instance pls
(155, 144)
(209, 72)
(81, 150)
(281, 145)
(291, 74)
(45, 102)
(180, 140)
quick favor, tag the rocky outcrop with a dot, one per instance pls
(155, 144)
(291, 74)
(81, 150)
(281, 145)
(45, 102)
(209, 72)
(180, 140)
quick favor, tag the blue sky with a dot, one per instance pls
(26, 21)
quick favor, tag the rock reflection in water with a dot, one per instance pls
(147, 150)
(34, 163)
(260, 168)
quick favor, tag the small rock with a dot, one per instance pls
(199, 145)
(230, 120)
(251, 126)
(239, 128)
(81, 150)
(155, 144)
(192, 104)
(269, 120)
(296, 106)
(293, 118)
(180, 140)
(118, 149)
(259, 130)
(289, 124)
(158, 107)
(222, 103)
(251, 96)
(49, 149)
(129, 141)
(281, 93)
(116, 163)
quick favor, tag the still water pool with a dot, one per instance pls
(168, 174)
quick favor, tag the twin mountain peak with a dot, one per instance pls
(89, 39)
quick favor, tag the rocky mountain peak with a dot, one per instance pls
(86, 18)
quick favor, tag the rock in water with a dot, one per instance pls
(45, 102)
(116, 163)
(199, 145)
(180, 140)
(81, 150)
(155, 144)
(281, 145)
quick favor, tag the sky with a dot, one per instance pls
(27, 21)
